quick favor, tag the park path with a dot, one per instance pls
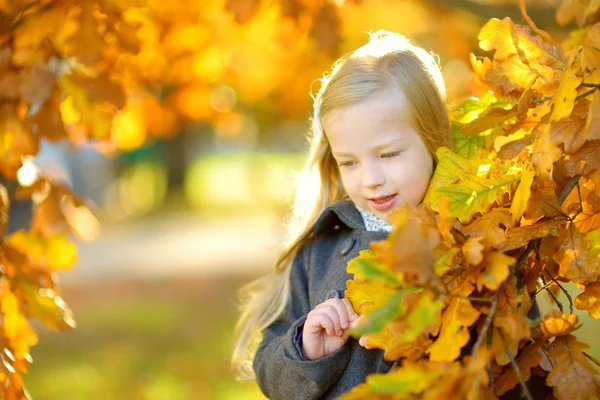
(171, 246)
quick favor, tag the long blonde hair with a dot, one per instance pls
(388, 61)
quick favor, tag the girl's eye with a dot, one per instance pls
(346, 164)
(390, 155)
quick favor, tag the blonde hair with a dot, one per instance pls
(387, 61)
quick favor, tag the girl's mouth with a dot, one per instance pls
(383, 203)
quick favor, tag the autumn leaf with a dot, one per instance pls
(454, 334)
(446, 222)
(491, 226)
(409, 250)
(410, 379)
(55, 252)
(522, 194)
(564, 98)
(577, 261)
(528, 358)
(497, 268)
(584, 160)
(15, 327)
(558, 324)
(589, 300)
(573, 376)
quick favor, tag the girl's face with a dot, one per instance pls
(382, 160)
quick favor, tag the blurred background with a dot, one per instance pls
(192, 194)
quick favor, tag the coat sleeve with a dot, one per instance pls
(280, 371)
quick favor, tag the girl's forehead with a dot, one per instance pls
(382, 105)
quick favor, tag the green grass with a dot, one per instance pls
(142, 340)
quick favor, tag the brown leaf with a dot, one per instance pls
(409, 249)
(584, 160)
(577, 262)
(573, 376)
(520, 236)
(528, 358)
(491, 226)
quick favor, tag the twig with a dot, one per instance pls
(446, 293)
(563, 289)
(570, 185)
(594, 85)
(489, 366)
(558, 303)
(580, 200)
(514, 364)
(530, 22)
(488, 323)
(543, 99)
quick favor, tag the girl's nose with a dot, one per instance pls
(373, 175)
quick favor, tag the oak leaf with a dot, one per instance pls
(589, 300)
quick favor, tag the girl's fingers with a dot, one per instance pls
(319, 321)
(342, 311)
(332, 313)
(351, 314)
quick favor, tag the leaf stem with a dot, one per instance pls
(515, 366)
(558, 303)
(530, 22)
(563, 289)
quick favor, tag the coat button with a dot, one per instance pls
(334, 294)
(348, 245)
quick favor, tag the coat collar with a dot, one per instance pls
(343, 211)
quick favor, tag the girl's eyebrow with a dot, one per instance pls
(376, 148)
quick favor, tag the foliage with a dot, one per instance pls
(112, 75)
(511, 215)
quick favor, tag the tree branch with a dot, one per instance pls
(563, 289)
(515, 366)
(488, 323)
(530, 22)
(570, 185)
(558, 303)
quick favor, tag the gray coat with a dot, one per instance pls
(318, 273)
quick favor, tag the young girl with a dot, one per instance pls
(379, 118)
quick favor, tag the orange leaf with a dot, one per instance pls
(589, 300)
(409, 249)
(529, 357)
(473, 250)
(558, 324)
(491, 226)
(497, 269)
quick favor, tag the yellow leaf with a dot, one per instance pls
(592, 123)
(15, 326)
(564, 98)
(446, 222)
(496, 270)
(454, 334)
(522, 194)
(55, 252)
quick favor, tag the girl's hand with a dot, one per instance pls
(326, 328)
